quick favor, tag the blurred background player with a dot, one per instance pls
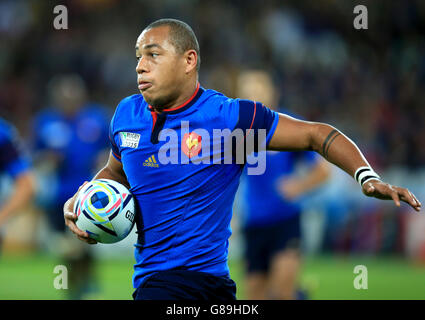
(16, 165)
(271, 206)
(70, 140)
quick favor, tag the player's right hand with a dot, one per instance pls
(71, 218)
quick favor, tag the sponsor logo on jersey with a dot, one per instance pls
(151, 162)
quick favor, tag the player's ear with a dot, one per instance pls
(191, 59)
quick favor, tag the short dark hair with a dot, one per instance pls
(181, 36)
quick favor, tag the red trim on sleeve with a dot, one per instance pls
(116, 155)
(253, 117)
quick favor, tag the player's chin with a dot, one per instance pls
(153, 100)
(148, 96)
(144, 92)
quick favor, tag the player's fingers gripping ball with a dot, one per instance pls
(105, 209)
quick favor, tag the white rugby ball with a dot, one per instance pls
(105, 209)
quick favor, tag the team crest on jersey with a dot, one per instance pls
(129, 139)
(191, 144)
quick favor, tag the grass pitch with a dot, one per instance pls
(325, 277)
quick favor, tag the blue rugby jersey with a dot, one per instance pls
(12, 160)
(185, 208)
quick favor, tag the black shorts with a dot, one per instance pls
(186, 285)
(263, 242)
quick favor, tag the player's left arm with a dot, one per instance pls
(294, 135)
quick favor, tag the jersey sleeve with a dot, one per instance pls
(120, 115)
(253, 116)
(114, 140)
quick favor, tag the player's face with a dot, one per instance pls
(160, 69)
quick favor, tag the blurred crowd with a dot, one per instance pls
(367, 83)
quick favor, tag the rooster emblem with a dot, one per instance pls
(191, 144)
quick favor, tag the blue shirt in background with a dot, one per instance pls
(76, 140)
(261, 202)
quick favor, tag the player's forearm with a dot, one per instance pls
(337, 148)
(108, 173)
(296, 135)
(113, 170)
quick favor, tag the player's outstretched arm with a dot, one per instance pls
(114, 171)
(293, 134)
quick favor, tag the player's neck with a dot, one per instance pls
(186, 95)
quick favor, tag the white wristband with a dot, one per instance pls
(364, 174)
